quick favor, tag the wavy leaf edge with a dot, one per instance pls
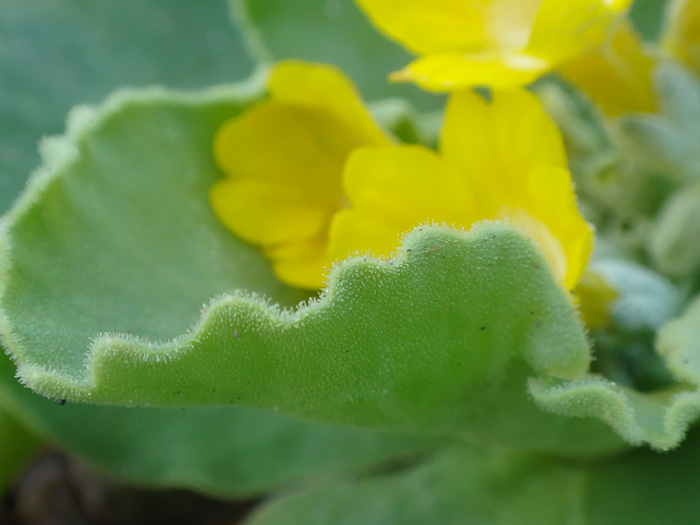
(53, 383)
(58, 152)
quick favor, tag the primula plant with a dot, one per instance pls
(461, 287)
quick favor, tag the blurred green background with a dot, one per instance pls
(55, 54)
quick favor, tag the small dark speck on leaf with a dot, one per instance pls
(483, 328)
(61, 402)
(409, 250)
(177, 392)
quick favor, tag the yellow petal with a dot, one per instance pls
(496, 43)
(498, 144)
(617, 76)
(392, 190)
(283, 159)
(451, 71)
(566, 29)
(266, 213)
(303, 264)
(407, 185)
(595, 297)
(551, 200)
(326, 89)
(360, 231)
(681, 35)
(280, 160)
(438, 26)
(428, 26)
(512, 154)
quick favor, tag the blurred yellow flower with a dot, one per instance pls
(495, 43)
(595, 296)
(499, 161)
(681, 36)
(618, 75)
(284, 158)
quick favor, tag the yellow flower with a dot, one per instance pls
(283, 159)
(682, 32)
(499, 161)
(617, 76)
(312, 179)
(494, 43)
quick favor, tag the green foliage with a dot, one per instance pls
(219, 450)
(648, 17)
(670, 242)
(55, 54)
(455, 486)
(667, 142)
(648, 394)
(645, 488)
(485, 486)
(17, 445)
(462, 383)
(100, 268)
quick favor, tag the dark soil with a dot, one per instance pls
(56, 490)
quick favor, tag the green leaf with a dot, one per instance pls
(116, 236)
(334, 32)
(55, 54)
(646, 300)
(475, 486)
(672, 240)
(646, 488)
(456, 486)
(223, 451)
(659, 418)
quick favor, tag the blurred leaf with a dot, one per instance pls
(647, 488)
(672, 241)
(648, 17)
(329, 31)
(55, 54)
(474, 486)
(665, 142)
(454, 487)
(17, 445)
